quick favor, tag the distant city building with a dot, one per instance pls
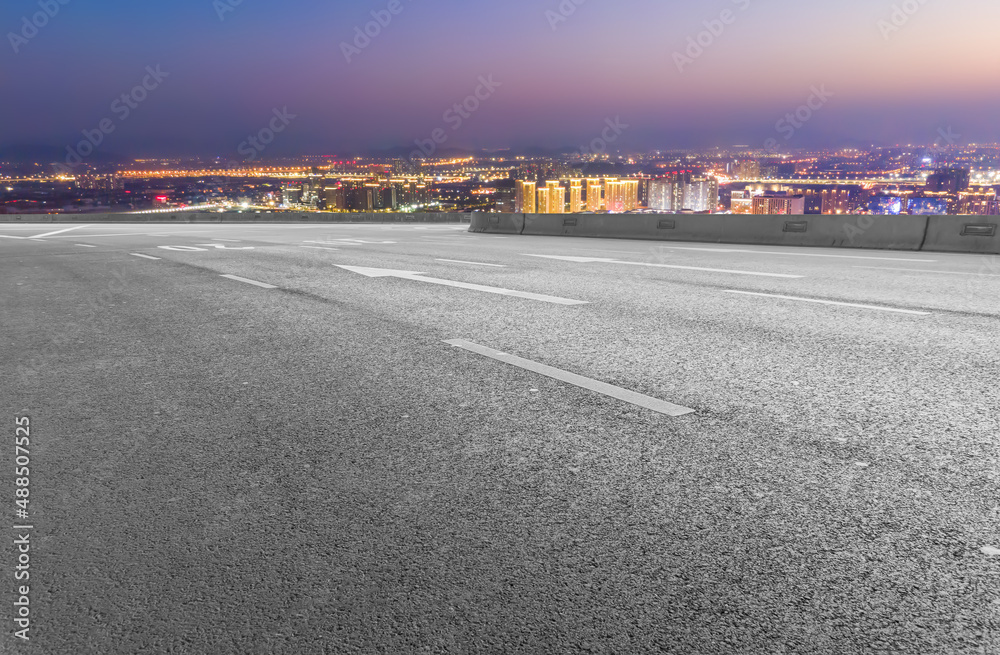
(524, 197)
(773, 203)
(575, 196)
(835, 201)
(701, 194)
(885, 205)
(977, 204)
(927, 206)
(556, 198)
(748, 169)
(595, 201)
(948, 180)
(621, 195)
(742, 202)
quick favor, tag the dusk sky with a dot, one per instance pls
(557, 85)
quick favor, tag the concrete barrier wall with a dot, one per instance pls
(497, 223)
(979, 234)
(888, 232)
(237, 217)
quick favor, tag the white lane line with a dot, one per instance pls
(419, 277)
(590, 384)
(319, 248)
(38, 240)
(6, 236)
(136, 254)
(927, 270)
(339, 243)
(833, 302)
(85, 245)
(459, 261)
(601, 260)
(50, 234)
(99, 236)
(253, 282)
(799, 254)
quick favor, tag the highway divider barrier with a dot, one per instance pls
(497, 223)
(979, 234)
(972, 234)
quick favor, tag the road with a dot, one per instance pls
(413, 439)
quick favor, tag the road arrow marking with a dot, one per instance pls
(601, 260)
(590, 384)
(418, 277)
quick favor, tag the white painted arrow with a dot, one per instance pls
(601, 260)
(418, 277)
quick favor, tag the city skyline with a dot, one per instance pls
(205, 78)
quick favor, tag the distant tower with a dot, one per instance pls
(594, 201)
(524, 197)
(557, 197)
(575, 196)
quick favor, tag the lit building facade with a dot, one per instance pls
(779, 204)
(524, 197)
(595, 202)
(575, 196)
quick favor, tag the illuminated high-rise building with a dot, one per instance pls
(557, 197)
(594, 200)
(702, 194)
(542, 206)
(742, 202)
(524, 197)
(575, 196)
(779, 204)
(835, 201)
(666, 194)
(748, 169)
(621, 195)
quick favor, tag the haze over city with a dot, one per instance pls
(679, 74)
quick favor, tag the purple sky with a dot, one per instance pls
(561, 74)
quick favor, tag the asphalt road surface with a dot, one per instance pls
(306, 458)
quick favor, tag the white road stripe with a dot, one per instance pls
(459, 261)
(319, 248)
(590, 384)
(85, 245)
(253, 282)
(136, 254)
(601, 260)
(68, 229)
(797, 254)
(99, 236)
(833, 302)
(927, 270)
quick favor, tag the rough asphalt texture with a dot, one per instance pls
(220, 468)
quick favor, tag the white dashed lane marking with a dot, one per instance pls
(459, 261)
(655, 404)
(833, 302)
(262, 285)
